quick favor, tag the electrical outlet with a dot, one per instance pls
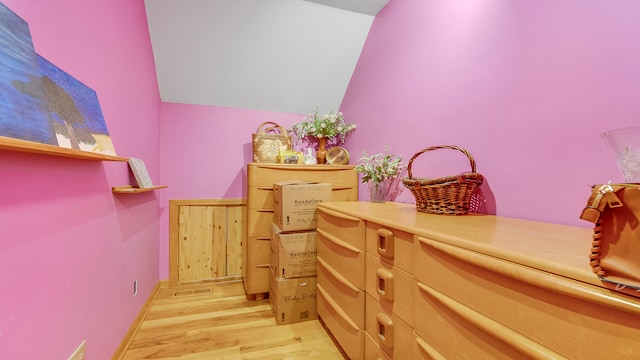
(135, 287)
(78, 354)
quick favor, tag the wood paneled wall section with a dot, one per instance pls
(205, 240)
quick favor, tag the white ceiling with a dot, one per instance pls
(277, 55)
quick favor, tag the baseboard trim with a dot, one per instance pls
(135, 326)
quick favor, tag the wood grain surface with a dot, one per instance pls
(216, 321)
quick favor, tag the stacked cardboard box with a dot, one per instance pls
(292, 289)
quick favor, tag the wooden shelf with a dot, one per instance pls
(10, 144)
(130, 189)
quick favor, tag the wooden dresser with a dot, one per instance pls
(465, 287)
(260, 178)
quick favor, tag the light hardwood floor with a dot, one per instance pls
(215, 321)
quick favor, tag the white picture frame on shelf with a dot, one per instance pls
(140, 172)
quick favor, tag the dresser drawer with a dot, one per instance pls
(577, 320)
(459, 332)
(259, 222)
(372, 350)
(344, 194)
(257, 272)
(392, 245)
(390, 286)
(346, 332)
(346, 259)
(347, 296)
(261, 197)
(267, 174)
(345, 228)
(393, 336)
(424, 351)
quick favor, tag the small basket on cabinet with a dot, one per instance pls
(449, 195)
(269, 141)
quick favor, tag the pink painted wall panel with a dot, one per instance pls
(70, 250)
(525, 86)
(204, 150)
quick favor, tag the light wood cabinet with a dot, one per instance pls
(341, 278)
(390, 287)
(205, 239)
(481, 287)
(260, 178)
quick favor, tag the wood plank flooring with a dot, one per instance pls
(215, 321)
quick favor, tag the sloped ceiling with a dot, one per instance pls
(277, 55)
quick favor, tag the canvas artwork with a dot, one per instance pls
(40, 102)
(74, 111)
(22, 115)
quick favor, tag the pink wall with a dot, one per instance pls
(525, 86)
(70, 250)
(204, 150)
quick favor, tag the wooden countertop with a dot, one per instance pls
(558, 249)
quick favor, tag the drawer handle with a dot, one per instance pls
(385, 284)
(268, 188)
(385, 242)
(337, 214)
(385, 330)
(336, 308)
(337, 275)
(557, 284)
(337, 241)
(509, 337)
(263, 238)
(429, 350)
(264, 210)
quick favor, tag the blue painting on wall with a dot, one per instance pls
(22, 115)
(40, 102)
(74, 110)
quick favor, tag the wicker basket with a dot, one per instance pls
(450, 195)
(269, 141)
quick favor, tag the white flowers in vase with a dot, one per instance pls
(314, 126)
(383, 173)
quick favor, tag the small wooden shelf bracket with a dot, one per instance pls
(130, 189)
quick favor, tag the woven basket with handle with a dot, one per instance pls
(269, 141)
(449, 195)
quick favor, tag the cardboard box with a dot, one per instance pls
(293, 254)
(293, 300)
(294, 204)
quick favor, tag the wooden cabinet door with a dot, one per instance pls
(205, 240)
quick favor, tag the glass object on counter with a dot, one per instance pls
(625, 144)
(309, 158)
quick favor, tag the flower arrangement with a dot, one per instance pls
(314, 126)
(379, 167)
(383, 172)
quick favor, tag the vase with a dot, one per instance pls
(321, 153)
(625, 144)
(387, 189)
(377, 192)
